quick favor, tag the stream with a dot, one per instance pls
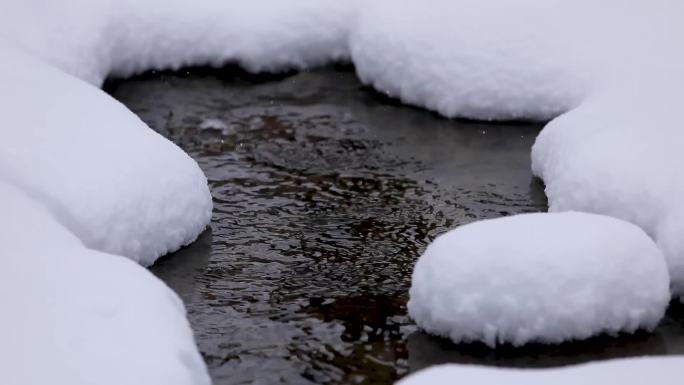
(325, 194)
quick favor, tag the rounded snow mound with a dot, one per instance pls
(118, 186)
(632, 371)
(465, 59)
(100, 318)
(543, 278)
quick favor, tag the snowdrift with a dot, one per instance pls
(77, 316)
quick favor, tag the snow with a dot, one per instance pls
(469, 59)
(609, 74)
(540, 277)
(613, 87)
(633, 371)
(460, 58)
(79, 173)
(76, 316)
(501, 60)
(619, 154)
(124, 37)
(117, 185)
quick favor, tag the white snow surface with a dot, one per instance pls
(633, 371)
(96, 38)
(503, 59)
(117, 185)
(540, 277)
(609, 72)
(620, 154)
(468, 58)
(77, 316)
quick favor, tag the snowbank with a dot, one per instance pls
(103, 181)
(117, 185)
(92, 39)
(539, 278)
(76, 316)
(502, 59)
(635, 371)
(472, 59)
(620, 154)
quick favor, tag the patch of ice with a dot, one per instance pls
(213, 124)
(539, 278)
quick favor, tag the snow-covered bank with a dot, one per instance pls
(620, 154)
(76, 316)
(543, 278)
(117, 185)
(663, 371)
(95, 39)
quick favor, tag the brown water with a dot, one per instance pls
(325, 195)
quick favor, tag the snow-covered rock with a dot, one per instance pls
(620, 154)
(542, 278)
(117, 185)
(633, 371)
(76, 316)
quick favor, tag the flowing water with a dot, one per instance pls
(325, 194)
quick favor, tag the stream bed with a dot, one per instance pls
(325, 194)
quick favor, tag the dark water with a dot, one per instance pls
(325, 194)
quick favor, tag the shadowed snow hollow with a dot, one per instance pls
(539, 278)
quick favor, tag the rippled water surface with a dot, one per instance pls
(325, 194)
